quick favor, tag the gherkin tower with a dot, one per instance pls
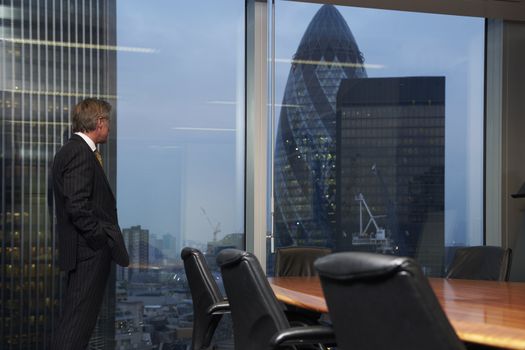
(304, 171)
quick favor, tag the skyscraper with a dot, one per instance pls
(137, 243)
(390, 167)
(52, 54)
(305, 151)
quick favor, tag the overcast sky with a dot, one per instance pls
(180, 113)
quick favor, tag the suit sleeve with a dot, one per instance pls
(78, 189)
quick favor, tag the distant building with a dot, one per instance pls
(305, 151)
(231, 240)
(129, 323)
(137, 243)
(391, 157)
(170, 250)
(155, 250)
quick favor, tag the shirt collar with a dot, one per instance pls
(88, 140)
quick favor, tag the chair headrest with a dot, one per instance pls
(230, 256)
(359, 265)
(188, 251)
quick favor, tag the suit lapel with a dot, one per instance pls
(103, 174)
(98, 167)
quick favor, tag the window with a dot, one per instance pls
(180, 152)
(174, 74)
(382, 90)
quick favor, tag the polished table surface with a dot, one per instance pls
(482, 312)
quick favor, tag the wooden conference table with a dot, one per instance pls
(481, 312)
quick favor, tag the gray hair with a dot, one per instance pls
(87, 112)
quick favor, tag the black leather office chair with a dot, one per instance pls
(481, 263)
(381, 302)
(259, 322)
(208, 303)
(298, 261)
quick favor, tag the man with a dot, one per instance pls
(89, 237)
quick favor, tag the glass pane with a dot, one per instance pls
(379, 131)
(180, 156)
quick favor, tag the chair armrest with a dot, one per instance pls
(303, 335)
(222, 307)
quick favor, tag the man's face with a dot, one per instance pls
(102, 129)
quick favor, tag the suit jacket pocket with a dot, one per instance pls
(116, 242)
(98, 240)
(84, 252)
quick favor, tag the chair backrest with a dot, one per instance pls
(481, 263)
(204, 293)
(298, 261)
(256, 313)
(381, 302)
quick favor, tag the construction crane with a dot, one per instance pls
(390, 204)
(380, 232)
(378, 239)
(216, 228)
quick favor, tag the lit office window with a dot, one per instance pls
(378, 131)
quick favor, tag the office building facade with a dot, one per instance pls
(391, 167)
(52, 54)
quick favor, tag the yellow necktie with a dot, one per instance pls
(99, 157)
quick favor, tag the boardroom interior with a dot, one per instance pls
(379, 127)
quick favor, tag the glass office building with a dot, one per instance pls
(52, 54)
(305, 151)
(390, 168)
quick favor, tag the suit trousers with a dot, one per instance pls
(85, 288)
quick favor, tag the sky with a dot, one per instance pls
(180, 108)
(179, 154)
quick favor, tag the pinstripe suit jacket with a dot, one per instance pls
(85, 206)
